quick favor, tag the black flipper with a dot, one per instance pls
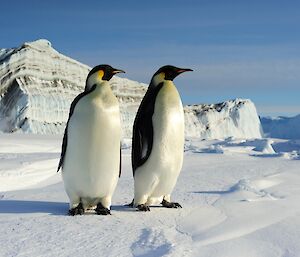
(142, 138)
(65, 138)
(120, 167)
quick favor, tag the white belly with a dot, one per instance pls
(165, 161)
(91, 165)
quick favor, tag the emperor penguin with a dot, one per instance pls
(91, 154)
(158, 141)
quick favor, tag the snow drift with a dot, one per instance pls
(38, 84)
(236, 202)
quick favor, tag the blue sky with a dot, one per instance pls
(246, 49)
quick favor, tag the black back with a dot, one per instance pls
(142, 139)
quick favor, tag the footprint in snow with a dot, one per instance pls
(151, 243)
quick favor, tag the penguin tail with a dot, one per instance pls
(130, 204)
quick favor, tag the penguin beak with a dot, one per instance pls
(183, 70)
(115, 71)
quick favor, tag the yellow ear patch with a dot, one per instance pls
(160, 77)
(100, 74)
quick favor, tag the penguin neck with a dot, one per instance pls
(90, 83)
(103, 95)
(102, 86)
(158, 79)
(94, 79)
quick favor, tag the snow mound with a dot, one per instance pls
(38, 84)
(256, 190)
(293, 155)
(282, 127)
(264, 146)
(214, 148)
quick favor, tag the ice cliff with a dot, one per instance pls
(235, 118)
(37, 85)
(282, 127)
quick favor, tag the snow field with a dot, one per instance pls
(236, 202)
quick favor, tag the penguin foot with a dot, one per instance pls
(170, 204)
(101, 210)
(143, 207)
(77, 210)
(130, 204)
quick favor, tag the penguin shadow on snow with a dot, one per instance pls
(52, 208)
(128, 208)
(214, 192)
(121, 208)
(24, 206)
(218, 192)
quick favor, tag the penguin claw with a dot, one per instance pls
(170, 204)
(77, 210)
(101, 210)
(143, 207)
(104, 211)
(177, 205)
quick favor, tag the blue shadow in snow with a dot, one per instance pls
(213, 192)
(217, 192)
(267, 155)
(24, 206)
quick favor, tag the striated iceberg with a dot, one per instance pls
(236, 118)
(38, 84)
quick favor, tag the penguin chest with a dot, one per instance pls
(93, 152)
(168, 130)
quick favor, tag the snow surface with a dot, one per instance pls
(38, 84)
(282, 127)
(239, 197)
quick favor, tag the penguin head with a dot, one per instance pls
(167, 72)
(99, 74)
